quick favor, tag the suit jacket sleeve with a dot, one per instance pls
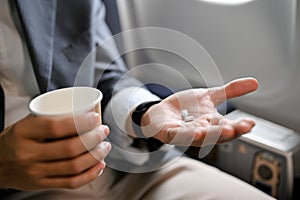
(122, 92)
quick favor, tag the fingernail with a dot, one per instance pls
(106, 146)
(104, 129)
(100, 172)
(101, 167)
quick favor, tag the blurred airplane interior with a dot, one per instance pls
(176, 44)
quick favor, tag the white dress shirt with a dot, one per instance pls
(16, 74)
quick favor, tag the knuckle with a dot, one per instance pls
(22, 158)
(33, 172)
(77, 181)
(73, 183)
(70, 149)
(53, 127)
(75, 167)
(25, 154)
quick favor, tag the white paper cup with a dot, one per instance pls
(67, 101)
(71, 101)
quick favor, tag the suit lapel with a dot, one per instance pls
(38, 19)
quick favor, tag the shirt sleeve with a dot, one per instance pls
(115, 116)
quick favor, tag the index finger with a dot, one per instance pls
(41, 127)
(235, 88)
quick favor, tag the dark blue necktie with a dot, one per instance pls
(2, 109)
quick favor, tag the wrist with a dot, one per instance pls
(140, 118)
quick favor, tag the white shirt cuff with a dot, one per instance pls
(115, 116)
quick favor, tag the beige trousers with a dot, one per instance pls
(184, 179)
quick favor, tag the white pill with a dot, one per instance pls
(184, 113)
(189, 118)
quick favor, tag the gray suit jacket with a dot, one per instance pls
(60, 36)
